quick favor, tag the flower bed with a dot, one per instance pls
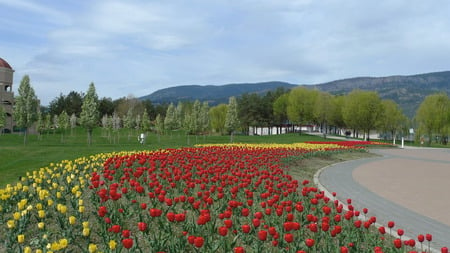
(215, 198)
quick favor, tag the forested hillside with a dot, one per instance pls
(407, 91)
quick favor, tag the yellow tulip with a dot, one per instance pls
(86, 231)
(41, 225)
(41, 214)
(20, 238)
(85, 224)
(112, 244)
(39, 206)
(72, 220)
(92, 248)
(38, 251)
(16, 215)
(58, 195)
(27, 249)
(63, 243)
(11, 224)
(81, 209)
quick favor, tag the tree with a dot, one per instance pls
(321, 111)
(73, 122)
(159, 124)
(217, 115)
(129, 121)
(204, 117)
(392, 119)
(89, 112)
(300, 106)
(145, 121)
(280, 108)
(194, 122)
(231, 119)
(433, 116)
(26, 107)
(362, 109)
(336, 118)
(63, 122)
(170, 119)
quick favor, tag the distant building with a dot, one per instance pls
(6, 94)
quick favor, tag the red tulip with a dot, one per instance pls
(420, 238)
(391, 224)
(309, 242)
(127, 243)
(289, 238)
(223, 231)
(245, 228)
(429, 237)
(262, 235)
(398, 243)
(344, 249)
(126, 233)
(239, 250)
(400, 232)
(142, 226)
(444, 250)
(198, 241)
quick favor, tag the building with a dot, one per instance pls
(6, 94)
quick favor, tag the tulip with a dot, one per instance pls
(112, 244)
(20, 238)
(198, 242)
(289, 238)
(309, 242)
(127, 243)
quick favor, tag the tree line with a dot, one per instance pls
(358, 112)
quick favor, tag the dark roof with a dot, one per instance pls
(4, 64)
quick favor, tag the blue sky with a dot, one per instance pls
(136, 47)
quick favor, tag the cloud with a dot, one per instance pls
(141, 46)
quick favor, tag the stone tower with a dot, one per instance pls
(6, 94)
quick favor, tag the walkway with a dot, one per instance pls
(408, 186)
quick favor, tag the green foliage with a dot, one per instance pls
(433, 115)
(392, 119)
(217, 115)
(170, 122)
(231, 119)
(89, 111)
(300, 107)
(361, 110)
(26, 106)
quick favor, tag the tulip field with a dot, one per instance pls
(207, 198)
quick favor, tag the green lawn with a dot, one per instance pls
(16, 158)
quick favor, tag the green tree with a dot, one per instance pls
(89, 113)
(300, 105)
(129, 121)
(362, 110)
(336, 118)
(204, 118)
(193, 119)
(217, 115)
(321, 110)
(433, 116)
(392, 119)
(63, 123)
(170, 122)
(26, 106)
(159, 124)
(280, 108)
(145, 121)
(231, 119)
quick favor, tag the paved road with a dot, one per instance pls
(408, 186)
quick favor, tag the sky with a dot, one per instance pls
(136, 47)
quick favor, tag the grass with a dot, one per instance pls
(16, 158)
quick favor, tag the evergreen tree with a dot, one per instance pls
(26, 106)
(89, 112)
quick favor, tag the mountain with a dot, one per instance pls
(407, 91)
(211, 93)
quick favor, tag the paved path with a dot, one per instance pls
(408, 186)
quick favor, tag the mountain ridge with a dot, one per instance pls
(406, 90)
